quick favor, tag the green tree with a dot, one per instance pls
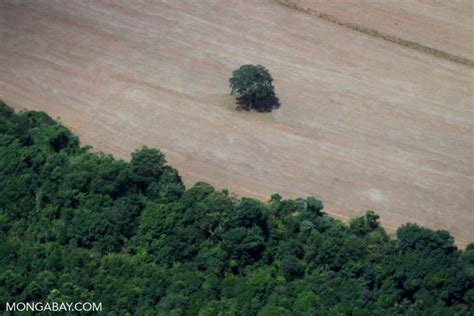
(253, 88)
(147, 166)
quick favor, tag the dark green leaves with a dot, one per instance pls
(253, 88)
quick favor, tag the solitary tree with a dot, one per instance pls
(252, 86)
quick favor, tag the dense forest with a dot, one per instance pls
(76, 225)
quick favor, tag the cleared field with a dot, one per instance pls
(364, 123)
(444, 25)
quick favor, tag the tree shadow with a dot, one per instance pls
(262, 105)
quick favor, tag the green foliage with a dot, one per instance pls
(253, 88)
(81, 226)
(147, 165)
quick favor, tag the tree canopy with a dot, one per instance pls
(253, 88)
(80, 226)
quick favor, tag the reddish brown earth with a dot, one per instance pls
(364, 123)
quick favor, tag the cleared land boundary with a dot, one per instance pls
(375, 33)
(365, 124)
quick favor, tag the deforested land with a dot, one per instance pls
(365, 122)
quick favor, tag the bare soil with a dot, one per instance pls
(363, 124)
(444, 25)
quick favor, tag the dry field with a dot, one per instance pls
(364, 123)
(444, 25)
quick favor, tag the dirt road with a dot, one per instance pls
(364, 123)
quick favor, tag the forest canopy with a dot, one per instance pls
(82, 226)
